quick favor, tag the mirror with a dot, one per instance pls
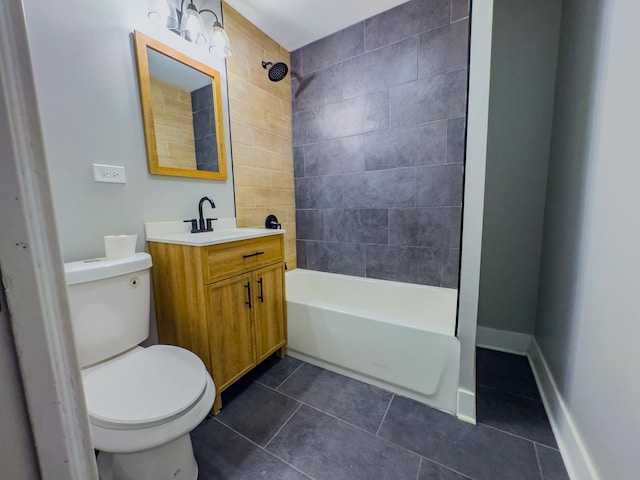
(181, 111)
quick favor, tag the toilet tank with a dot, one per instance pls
(109, 302)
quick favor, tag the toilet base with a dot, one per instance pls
(171, 461)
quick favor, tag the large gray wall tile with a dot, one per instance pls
(404, 21)
(294, 60)
(341, 155)
(333, 48)
(450, 268)
(362, 225)
(301, 254)
(345, 258)
(298, 161)
(439, 185)
(405, 147)
(455, 139)
(317, 88)
(404, 264)
(459, 9)
(426, 227)
(319, 192)
(310, 224)
(307, 126)
(379, 69)
(356, 115)
(433, 98)
(380, 189)
(444, 49)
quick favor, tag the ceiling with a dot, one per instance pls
(295, 23)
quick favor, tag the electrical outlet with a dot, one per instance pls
(109, 174)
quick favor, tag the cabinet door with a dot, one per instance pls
(231, 331)
(270, 321)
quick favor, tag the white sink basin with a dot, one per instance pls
(162, 232)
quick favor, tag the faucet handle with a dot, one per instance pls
(209, 225)
(194, 224)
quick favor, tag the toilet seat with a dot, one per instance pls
(148, 387)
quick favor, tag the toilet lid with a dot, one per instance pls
(149, 385)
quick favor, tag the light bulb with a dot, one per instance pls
(192, 26)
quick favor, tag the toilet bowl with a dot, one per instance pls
(142, 402)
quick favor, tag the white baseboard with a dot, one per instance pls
(572, 448)
(503, 340)
(466, 406)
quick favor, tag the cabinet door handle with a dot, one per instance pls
(253, 254)
(248, 287)
(261, 296)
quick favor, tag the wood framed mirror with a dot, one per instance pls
(181, 111)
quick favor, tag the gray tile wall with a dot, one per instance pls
(378, 124)
(204, 129)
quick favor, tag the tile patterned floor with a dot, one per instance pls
(290, 420)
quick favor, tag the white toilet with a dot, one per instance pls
(142, 402)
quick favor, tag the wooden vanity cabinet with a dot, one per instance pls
(224, 302)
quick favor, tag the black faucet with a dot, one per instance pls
(202, 224)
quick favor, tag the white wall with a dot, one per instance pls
(523, 69)
(588, 324)
(85, 75)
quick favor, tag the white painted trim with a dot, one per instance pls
(32, 270)
(503, 340)
(466, 406)
(574, 453)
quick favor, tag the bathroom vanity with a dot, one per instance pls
(221, 295)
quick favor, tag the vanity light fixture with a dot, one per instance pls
(189, 24)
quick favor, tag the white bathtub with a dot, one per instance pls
(397, 336)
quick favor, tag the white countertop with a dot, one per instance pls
(224, 230)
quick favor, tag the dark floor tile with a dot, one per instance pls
(514, 414)
(355, 402)
(478, 451)
(273, 371)
(507, 372)
(255, 411)
(224, 455)
(328, 449)
(551, 464)
(433, 471)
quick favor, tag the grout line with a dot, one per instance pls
(505, 392)
(447, 467)
(283, 425)
(264, 449)
(419, 468)
(385, 414)
(289, 376)
(538, 460)
(515, 435)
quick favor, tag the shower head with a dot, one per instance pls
(277, 71)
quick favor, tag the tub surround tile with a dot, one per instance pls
(340, 155)
(406, 20)
(444, 49)
(459, 9)
(296, 63)
(356, 225)
(455, 139)
(433, 98)
(355, 402)
(427, 227)
(380, 69)
(333, 48)
(224, 455)
(356, 115)
(551, 464)
(433, 471)
(450, 268)
(327, 449)
(301, 254)
(298, 162)
(406, 147)
(334, 257)
(310, 224)
(307, 125)
(273, 371)
(317, 88)
(404, 264)
(488, 453)
(506, 372)
(513, 414)
(255, 411)
(380, 189)
(439, 186)
(320, 192)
